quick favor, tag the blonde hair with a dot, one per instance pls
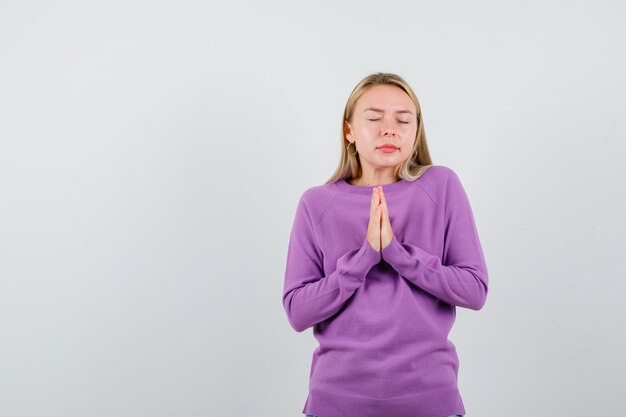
(413, 167)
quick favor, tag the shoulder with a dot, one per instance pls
(441, 183)
(436, 179)
(439, 173)
(316, 199)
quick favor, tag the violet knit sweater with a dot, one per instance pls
(382, 319)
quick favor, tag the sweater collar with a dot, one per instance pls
(344, 185)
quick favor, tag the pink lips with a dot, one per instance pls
(387, 148)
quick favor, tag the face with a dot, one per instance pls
(383, 115)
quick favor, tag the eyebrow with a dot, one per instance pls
(382, 111)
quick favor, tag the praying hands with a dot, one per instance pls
(379, 233)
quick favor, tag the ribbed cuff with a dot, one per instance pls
(355, 264)
(371, 256)
(394, 252)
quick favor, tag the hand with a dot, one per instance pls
(379, 232)
(373, 227)
(386, 234)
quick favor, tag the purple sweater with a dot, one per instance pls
(382, 319)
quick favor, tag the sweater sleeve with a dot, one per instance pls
(461, 277)
(310, 296)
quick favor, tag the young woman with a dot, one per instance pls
(379, 258)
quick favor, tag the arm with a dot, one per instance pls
(309, 297)
(461, 278)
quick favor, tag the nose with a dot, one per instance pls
(388, 131)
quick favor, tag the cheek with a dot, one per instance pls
(410, 137)
(366, 131)
(407, 145)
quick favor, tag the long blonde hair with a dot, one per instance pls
(350, 165)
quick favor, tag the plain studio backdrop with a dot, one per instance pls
(153, 153)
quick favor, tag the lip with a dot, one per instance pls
(388, 148)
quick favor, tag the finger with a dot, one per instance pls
(373, 203)
(385, 217)
(375, 214)
(377, 196)
(380, 221)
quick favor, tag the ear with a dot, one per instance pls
(347, 131)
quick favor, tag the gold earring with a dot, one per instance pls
(348, 148)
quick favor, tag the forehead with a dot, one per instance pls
(386, 97)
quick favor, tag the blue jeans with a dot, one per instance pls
(458, 415)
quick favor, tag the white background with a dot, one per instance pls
(152, 155)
